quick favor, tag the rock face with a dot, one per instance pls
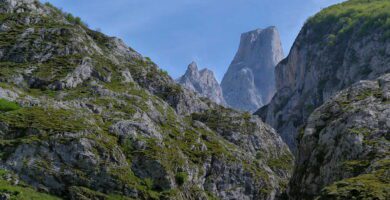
(249, 82)
(344, 148)
(202, 82)
(83, 116)
(335, 49)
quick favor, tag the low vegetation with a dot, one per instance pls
(367, 16)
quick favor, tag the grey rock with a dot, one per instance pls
(78, 76)
(203, 82)
(345, 138)
(98, 119)
(314, 71)
(249, 82)
(5, 196)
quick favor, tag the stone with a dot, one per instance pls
(202, 82)
(249, 82)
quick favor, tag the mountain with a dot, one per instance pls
(344, 147)
(249, 82)
(202, 82)
(83, 116)
(336, 48)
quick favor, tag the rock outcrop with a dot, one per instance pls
(83, 116)
(249, 82)
(202, 82)
(336, 48)
(344, 148)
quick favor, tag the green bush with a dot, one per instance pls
(6, 105)
(181, 178)
(73, 19)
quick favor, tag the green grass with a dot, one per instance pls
(363, 16)
(44, 119)
(284, 162)
(6, 105)
(366, 186)
(181, 178)
(21, 191)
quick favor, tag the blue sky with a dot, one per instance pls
(175, 32)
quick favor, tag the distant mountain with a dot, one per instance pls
(249, 82)
(202, 82)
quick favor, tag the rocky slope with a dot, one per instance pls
(202, 82)
(83, 116)
(249, 82)
(339, 46)
(344, 150)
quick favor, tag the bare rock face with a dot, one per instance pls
(325, 59)
(202, 82)
(344, 148)
(249, 82)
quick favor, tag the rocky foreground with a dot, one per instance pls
(344, 149)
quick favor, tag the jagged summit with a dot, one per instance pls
(203, 82)
(249, 82)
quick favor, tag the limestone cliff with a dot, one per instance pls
(249, 82)
(339, 46)
(344, 147)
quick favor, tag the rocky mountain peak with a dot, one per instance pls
(259, 52)
(203, 82)
(192, 70)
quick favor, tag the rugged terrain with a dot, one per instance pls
(339, 46)
(202, 82)
(83, 116)
(344, 150)
(249, 82)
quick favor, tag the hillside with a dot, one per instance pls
(337, 47)
(344, 150)
(83, 116)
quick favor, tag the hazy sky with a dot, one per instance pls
(175, 32)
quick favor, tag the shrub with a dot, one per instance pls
(73, 19)
(181, 178)
(6, 105)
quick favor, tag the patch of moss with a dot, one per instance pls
(356, 166)
(284, 162)
(6, 105)
(21, 191)
(360, 131)
(44, 119)
(57, 67)
(181, 178)
(224, 119)
(366, 186)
